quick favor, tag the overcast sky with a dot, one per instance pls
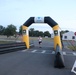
(18, 11)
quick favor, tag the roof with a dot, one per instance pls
(69, 33)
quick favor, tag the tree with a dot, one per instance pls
(2, 29)
(41, 33)
(46, 33)
(36, 33)
(62, 32)
(10, 30)
(20, 30)
(31, 31)
(66, 31)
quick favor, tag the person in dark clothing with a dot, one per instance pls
(61, 36)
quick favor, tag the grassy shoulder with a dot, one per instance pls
(5, 39)
(5, 42)
(72, 48)
(36, 38)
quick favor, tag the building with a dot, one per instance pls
(69, 36)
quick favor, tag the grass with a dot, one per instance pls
(36, 38)
(19, 38)
(72, 48)
(5, 42)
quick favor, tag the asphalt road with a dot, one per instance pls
(35, 61)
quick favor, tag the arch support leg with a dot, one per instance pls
(59, 60)
(25, 36)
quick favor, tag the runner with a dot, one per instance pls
(40, 41)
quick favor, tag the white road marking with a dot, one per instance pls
(24, 50)
(74, 66)
(33, 51)
(53, 52)
(74, 53)
(31, 44)
(64, 53)
(43, 51)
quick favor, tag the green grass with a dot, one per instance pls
(36, 38)
(20, 39)
(5, 42)
(72, 48)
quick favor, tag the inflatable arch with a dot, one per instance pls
(47, 20)
(59, 60)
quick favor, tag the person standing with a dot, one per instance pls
(40, 41)
(61, 36)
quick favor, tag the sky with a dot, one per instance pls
(17, 12)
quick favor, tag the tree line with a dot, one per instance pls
(37, 33)
(10, 30)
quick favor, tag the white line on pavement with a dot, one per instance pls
(33, 51)
(24, 50)
(73, 68)
(53, 52)
(43, 51)
(74, 53)
(64, 53)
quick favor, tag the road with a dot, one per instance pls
(36, 61)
